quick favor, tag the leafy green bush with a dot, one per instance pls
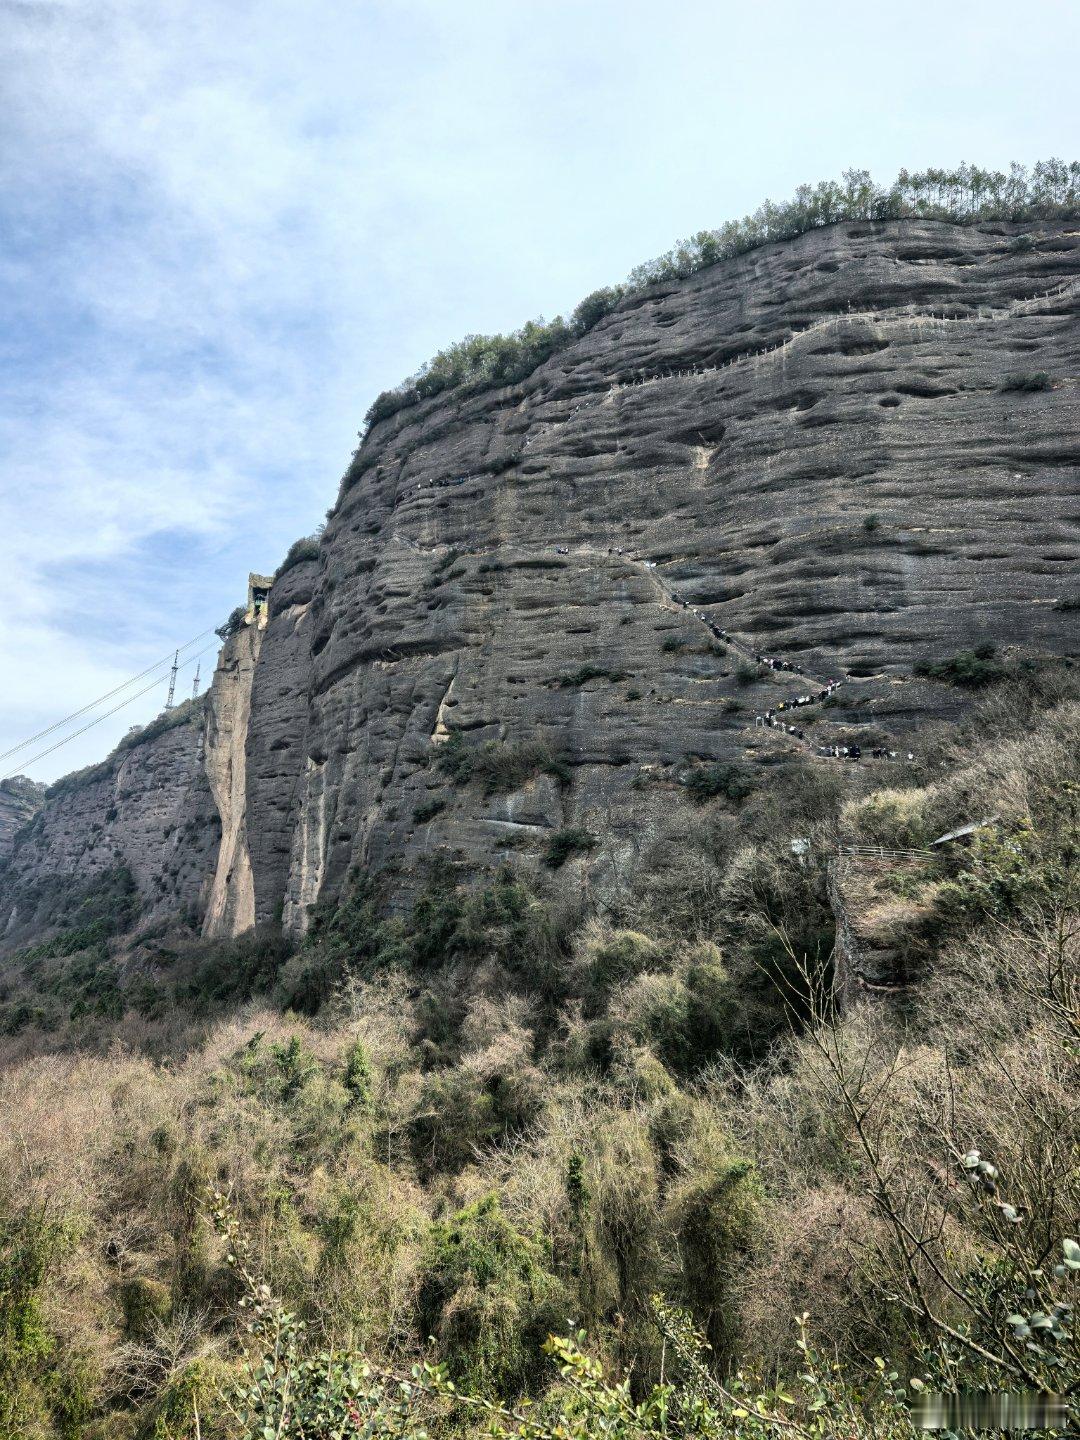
(304, 549)
(489, 1300)
(461, 1113)
(594, 307)
(688, 1018)
(1027, 380)
(734, 782)
(233, 624)
(970, 668)
(564, 843)
(620, 956)
(455, 758)
(500, 767)
(91, 913)
(493, 921)
(44, 1386)
(358, 1075)
(219, 972)
(1012, 867)
(292, 1390)
(449, 922)
(895, 819)
(428, 809)
(717, 1216)
(188, 712)
(478, 361)
(584, 673)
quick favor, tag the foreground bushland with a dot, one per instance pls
(437, 1141)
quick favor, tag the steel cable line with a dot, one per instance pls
(158, 680)
(75, 715)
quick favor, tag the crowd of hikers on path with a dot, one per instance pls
(777, 717)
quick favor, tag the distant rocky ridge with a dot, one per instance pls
(855, 450)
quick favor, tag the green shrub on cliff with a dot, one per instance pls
(1030, 380)
(232, 625)
(733, 782)
(427, 810)
(89, 914)
(500, 767)
(584, 673)
(300, 551)
(571, 840)
(45, 1386)
(187, 712)
(970, 668)
(488, 1299)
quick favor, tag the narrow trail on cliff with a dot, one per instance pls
(918, 319)
(770, 719)
(821, 690)
(776, 718)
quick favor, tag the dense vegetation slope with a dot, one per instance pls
(508, 1115)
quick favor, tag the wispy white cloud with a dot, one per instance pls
(224, 227)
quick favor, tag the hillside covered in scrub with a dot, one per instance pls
(509, 1116)
(602, 957)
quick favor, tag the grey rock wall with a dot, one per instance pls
(813, 445)
(20, 800)
(147, 808)
(276, 756)
(814, 448)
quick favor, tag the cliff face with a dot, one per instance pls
(256, 729)
(792, 442)
(147, 809)
(20, 800)
(816, 448)
(231, 907)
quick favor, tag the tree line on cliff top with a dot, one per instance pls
(1051, 189)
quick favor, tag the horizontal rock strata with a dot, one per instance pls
(832, 451)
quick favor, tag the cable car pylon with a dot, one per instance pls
(172, 680)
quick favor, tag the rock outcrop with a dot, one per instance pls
(854, 450)
(20, 800)
(256, 728)
(231, 907)
(147, 809)
(877, 951)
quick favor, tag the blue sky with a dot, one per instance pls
(225, 227)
